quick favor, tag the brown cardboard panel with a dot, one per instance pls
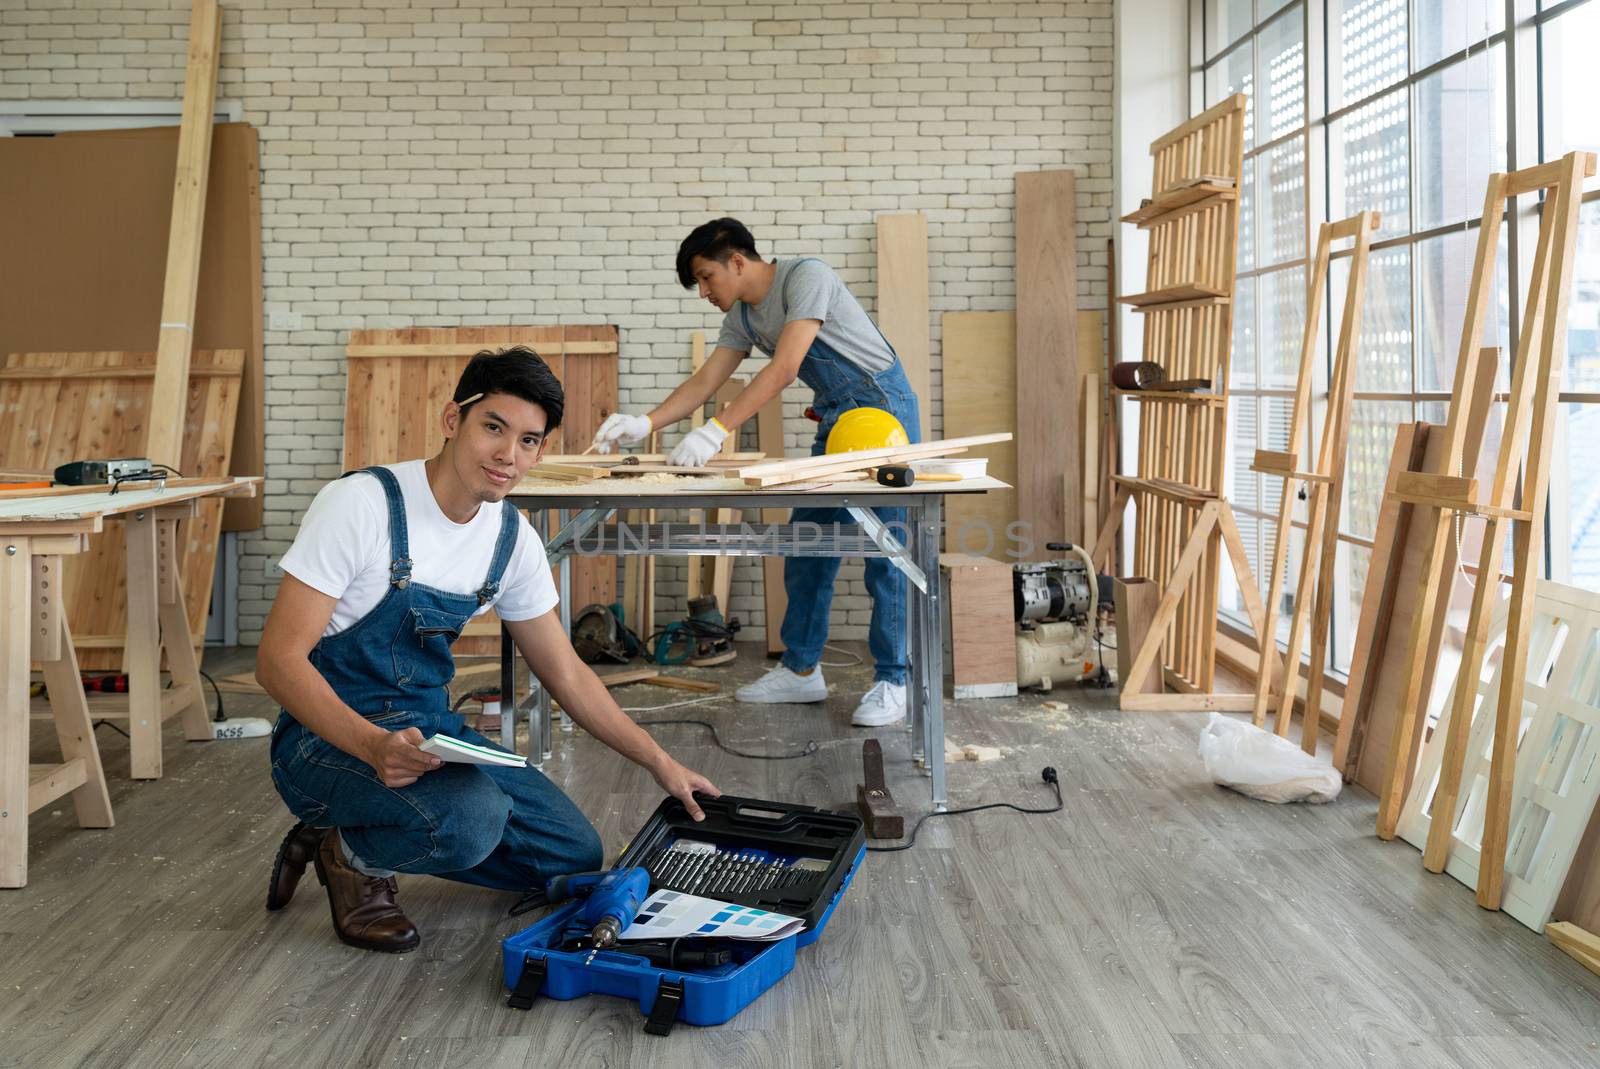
(87, 214)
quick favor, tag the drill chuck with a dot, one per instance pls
(606, 932)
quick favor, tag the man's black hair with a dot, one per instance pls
(716, 240)
(518, 371)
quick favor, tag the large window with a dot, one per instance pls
(1406, 107)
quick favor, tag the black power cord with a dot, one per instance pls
(1048, 775)
(811, 745)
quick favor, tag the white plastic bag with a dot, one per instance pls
(1244, 758)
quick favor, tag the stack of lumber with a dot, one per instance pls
(804, 469)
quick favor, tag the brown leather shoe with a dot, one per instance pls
(294, 854)
(363, 907)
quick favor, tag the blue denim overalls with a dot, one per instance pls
(509, 828)
(840, 386)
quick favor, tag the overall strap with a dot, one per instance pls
(399, 544)
(510, 524)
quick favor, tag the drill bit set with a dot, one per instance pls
(701, 868)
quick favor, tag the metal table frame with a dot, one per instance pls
(581, 518)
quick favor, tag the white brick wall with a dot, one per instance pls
(446, 162)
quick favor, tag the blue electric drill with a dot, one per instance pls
(611, 900)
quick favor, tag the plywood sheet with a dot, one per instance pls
(980, 371)
(903, 299)
(1047, 364)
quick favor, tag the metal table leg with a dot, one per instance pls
(916, 702)
(932, 628)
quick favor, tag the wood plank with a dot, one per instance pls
(1188, 293)
(1047, 363)
(165, 431)
(903, 314)
(771, 473)
(1377, 599)
(16, 578)
(775, 598)
(980, 395)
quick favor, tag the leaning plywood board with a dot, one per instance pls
(58, 407)
(400, 381)
(65, 288)
(979, 373)
(980, 377)
(903, 299)
(1047, 362)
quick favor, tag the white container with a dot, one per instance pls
(966, 467)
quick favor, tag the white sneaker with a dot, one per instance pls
(782, 685)
(884, 704)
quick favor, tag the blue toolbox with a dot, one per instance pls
(773, 856)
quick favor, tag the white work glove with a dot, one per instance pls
(621, 429)
(701, 445)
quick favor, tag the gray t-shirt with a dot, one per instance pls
(809, 289)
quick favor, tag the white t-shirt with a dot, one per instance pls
(343, 549)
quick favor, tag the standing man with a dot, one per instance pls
(389, 565)
(800, 313)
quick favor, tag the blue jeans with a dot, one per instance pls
(809, 583)
(506, 828)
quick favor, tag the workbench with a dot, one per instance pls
(582, 513)
(37, 529)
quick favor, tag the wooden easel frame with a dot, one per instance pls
(1527, 437)
(1313, 602)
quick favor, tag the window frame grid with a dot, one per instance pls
(1521, 41)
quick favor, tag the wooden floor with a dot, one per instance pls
(1158, 921)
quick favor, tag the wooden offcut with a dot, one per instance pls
(401, 380)
(1047, 361)
(164, 441)
(1135, 600)
(983, 646)
(89, 405)
(903, 299)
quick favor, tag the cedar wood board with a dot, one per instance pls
(106, 415)
(1047, 363)
(393, 407)
(86, 218)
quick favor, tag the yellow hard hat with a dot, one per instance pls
(866, 428)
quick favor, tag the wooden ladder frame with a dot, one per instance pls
(1193, 217)
(1313, 600)
(1526, 443)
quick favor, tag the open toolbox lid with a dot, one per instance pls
(816, 847)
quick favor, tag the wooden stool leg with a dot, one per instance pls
(15, 565)
(175, 638)
(142, 648)
(75, 732)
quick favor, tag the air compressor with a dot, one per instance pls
(1056, 604)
